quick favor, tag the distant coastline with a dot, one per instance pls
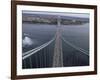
(53, 20)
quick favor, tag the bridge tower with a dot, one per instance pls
(59, 21)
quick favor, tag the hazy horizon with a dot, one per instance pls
(70, 14)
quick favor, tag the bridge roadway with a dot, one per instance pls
(58, 55)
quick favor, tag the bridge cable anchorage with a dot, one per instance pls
(33, 51)
(76, 47)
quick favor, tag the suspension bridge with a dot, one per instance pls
(40, 57)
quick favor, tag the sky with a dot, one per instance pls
(82, 15)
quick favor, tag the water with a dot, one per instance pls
(77, 34)
(40, 34)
